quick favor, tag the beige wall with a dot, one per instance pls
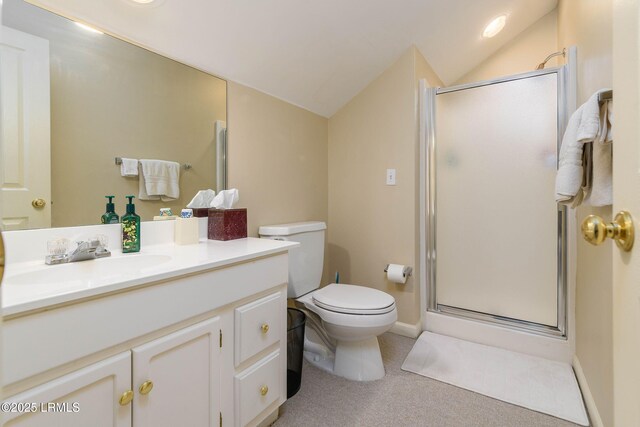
(521, 54)
(587, 24)
(277, 159)
(112, 99)
(372, 224)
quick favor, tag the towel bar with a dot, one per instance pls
(185, 166)
(605, 96)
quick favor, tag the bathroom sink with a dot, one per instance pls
(90, 272)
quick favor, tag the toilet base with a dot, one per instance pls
(359, 360)
(353, 360)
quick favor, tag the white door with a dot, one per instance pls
(176, 378)
(25, 164)
(87, 397)
(626, 195)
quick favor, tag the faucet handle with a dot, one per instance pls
(57, 246)
(57, 250)
(103, 240)
(102, 249)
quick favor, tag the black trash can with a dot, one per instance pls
(295, 348)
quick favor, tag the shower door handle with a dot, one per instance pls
(595, 230)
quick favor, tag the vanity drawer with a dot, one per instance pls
(257, 388)
(258, 325)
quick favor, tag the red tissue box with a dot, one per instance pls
(200, 212)
(227, 224)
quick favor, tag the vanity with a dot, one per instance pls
(190, 335)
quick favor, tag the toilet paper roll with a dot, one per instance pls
(396, 273)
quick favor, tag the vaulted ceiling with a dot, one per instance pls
(315, 54)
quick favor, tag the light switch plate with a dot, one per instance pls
(391, 177)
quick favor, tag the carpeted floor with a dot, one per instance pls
(400, 399)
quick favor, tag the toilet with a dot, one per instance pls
(343, 321)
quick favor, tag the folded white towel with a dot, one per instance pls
(590, 122)
(584, 170)
(602, 188)
(129, 167)
(159, 180)
(570, 163)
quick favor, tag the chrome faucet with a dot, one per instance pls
(85, 249)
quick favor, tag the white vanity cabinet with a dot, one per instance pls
(207, 349)
(87, 397)
(176, 379)
(170, 381)
(259, 356)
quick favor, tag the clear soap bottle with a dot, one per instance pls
(131, 229)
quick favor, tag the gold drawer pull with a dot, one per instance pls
(146, 387)
(264, 390)
(126, 398)
(264, 328)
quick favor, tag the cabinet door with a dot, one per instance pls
(176, 378)
(87, 397)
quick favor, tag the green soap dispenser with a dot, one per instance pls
(130, 229)
(110, 216)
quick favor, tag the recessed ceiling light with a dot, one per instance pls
(88, 28)
(144, 3)
(494, 26)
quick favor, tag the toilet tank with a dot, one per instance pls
(305, 261)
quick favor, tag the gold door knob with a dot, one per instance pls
(38, 203)
(264, 328)
(146, 387)
(595, 230)
(126, 398)
(264, 390)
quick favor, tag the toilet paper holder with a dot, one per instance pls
(405, 271)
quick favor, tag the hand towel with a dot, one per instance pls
(159, 180)
(129, 167)
(602, 187)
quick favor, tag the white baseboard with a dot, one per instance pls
(594, 415)
(407, 329)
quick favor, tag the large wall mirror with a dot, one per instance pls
(73, 100)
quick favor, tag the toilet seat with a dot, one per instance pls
(354, 300)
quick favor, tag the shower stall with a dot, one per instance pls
(494, 241)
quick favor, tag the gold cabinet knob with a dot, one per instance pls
(264, 328)
(38, 203)
(146, 387)
(595, 230)
(264, 390)
(126, 398)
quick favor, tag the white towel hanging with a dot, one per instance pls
(128, 167)
(159, 179)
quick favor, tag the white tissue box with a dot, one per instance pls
(186, 231)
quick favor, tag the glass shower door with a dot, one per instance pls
(498, 232)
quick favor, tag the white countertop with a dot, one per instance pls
(156, 263)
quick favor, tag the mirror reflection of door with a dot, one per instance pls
(25, 159)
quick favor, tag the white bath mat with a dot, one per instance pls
(532, 382)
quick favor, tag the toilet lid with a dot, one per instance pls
(351, 299)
